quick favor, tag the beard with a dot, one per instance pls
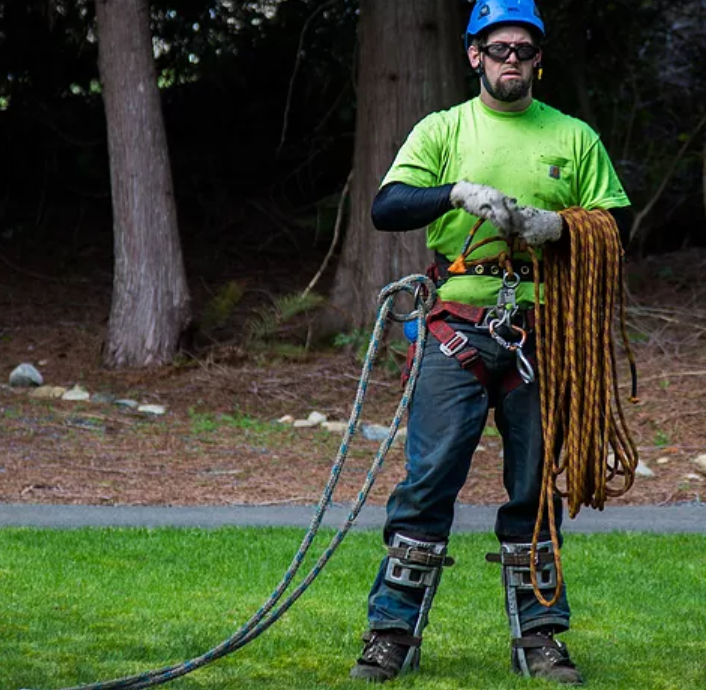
(511, 90)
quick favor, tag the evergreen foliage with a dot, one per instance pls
(285, 320)
(220, 308)
(256, 105)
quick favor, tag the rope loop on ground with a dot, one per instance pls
(275, 606)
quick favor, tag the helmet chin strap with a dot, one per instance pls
(486, 83)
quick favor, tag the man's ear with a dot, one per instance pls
(474, 57)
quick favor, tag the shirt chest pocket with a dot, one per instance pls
(555, 182)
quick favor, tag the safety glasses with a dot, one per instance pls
(502, 51)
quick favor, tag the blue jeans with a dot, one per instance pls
(447, 415)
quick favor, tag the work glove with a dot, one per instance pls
(537, 226)
(486, 202)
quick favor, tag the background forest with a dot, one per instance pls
(188, 183)
(259, 103)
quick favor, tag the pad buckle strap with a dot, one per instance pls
(417, 556)
(519, 560)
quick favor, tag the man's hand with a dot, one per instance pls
(537, 226)
(486, 202)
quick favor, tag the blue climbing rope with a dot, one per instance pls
(424, 294)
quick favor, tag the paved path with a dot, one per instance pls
(667, 519)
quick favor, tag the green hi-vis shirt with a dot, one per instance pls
(539, 156)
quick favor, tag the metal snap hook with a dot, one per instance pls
(523, 335)
(524, 367)
(523, 364)
(505, 320)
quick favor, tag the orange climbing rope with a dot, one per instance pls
(589, 455)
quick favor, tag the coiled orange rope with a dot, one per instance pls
(589, 454)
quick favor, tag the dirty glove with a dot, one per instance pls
(537, 226)
(486, 202)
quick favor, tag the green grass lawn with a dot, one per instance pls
(92, 604)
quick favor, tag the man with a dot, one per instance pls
(514, 162)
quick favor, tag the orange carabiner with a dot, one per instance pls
(506, 344)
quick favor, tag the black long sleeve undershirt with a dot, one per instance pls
(399, 207)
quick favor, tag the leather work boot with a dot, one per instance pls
(547, 658)
(383, 655)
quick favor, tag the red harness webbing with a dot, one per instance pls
(455, 344)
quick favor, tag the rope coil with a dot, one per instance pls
(587, 443)
(270, 612)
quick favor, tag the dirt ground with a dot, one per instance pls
(219, 442)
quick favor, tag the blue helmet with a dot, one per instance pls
(489, 13)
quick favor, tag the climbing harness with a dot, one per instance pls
(424, 293)
(501, 320)
(417, 565)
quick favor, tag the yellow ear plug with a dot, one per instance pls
(540, 72)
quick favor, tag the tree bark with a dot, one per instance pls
(411, 63)
(151, 305)
(577, 31)
(703, 177)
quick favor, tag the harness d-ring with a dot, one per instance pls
(423, 293)
(507, 283)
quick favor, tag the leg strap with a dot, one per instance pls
(417, 565)
(515, 559)
(454, 343)
(397, 638)
(536, 642)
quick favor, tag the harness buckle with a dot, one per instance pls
(454, 345)
(490, 315)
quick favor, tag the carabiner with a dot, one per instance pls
(524, 366)
(500, 340)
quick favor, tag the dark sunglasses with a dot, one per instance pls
(502, 51)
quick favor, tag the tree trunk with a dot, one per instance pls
(411, 63)
(577, 31)
(703, 177)
(151, 305)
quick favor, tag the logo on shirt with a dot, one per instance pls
(555, 172)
